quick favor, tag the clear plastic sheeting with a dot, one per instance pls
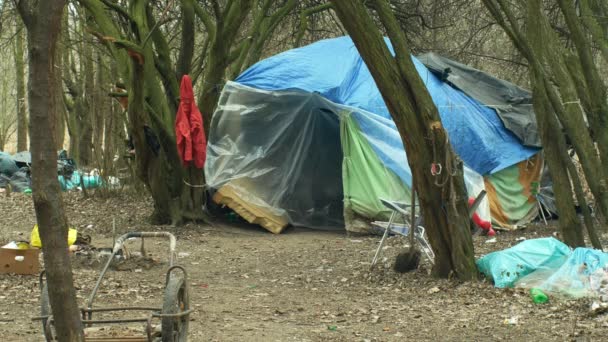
(508, 266)
(304, 158)
(580, 275)
(281, 151)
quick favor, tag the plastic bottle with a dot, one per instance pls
(538, 296)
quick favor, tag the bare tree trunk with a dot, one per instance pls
(444, 207)
(550, 131)
(59, 98)
(598, 116)
(87, 115)
(220, 56)
(43, 22)
(101, 112)
(532, 47)
(20, 82)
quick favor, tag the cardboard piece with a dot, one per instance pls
(252, 213)
(19, 261)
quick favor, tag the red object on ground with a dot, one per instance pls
(189, 131)
(481, 223)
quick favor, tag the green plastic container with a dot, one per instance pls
(538, 296)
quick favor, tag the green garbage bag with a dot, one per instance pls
(507, 266)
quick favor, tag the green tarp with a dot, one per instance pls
(361, 167)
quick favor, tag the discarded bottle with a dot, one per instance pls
(538, 296)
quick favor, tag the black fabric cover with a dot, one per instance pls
(20, 181)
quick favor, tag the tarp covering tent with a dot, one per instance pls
(7, 164)
(306, 135)
(512, 103)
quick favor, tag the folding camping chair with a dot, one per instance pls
(399, 208)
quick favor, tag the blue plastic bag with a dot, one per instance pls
(507, 266)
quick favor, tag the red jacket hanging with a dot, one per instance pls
(189, 131)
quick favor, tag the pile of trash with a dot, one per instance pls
(22, 257)
(549, 266)
(15, 172)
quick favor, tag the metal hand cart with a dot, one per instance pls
(173, 316)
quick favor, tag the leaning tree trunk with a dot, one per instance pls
(550, 131)
(598, 116)
(551, 135)
(43, 22)
(444, 207)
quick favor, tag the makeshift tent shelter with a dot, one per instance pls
(509, 199)
(305, 138)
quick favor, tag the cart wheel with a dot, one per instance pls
(175, 329)
(45, 310)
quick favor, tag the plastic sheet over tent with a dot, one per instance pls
(273, 122)
(279, 151)
(475, 131)
(306, 158)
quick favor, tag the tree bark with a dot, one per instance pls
(43, 22)
(598, 116)
(532, 48)
(101, 107)
(20, 83)
(220, 55)
(86, 117)
(569, 110)
(548, 129)
(444, 207)
(162, 173)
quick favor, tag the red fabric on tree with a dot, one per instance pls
(189, 131)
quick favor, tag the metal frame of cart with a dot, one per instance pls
(174, 314)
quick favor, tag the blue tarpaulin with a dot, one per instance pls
(334, 69)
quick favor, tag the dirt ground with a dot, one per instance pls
(249, 285)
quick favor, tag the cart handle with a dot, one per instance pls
(118, 246)
(172, 242)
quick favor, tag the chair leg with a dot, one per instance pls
(388, 228)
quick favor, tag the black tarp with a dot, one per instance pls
(512, 103)
(7, 164)
(21, 180)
